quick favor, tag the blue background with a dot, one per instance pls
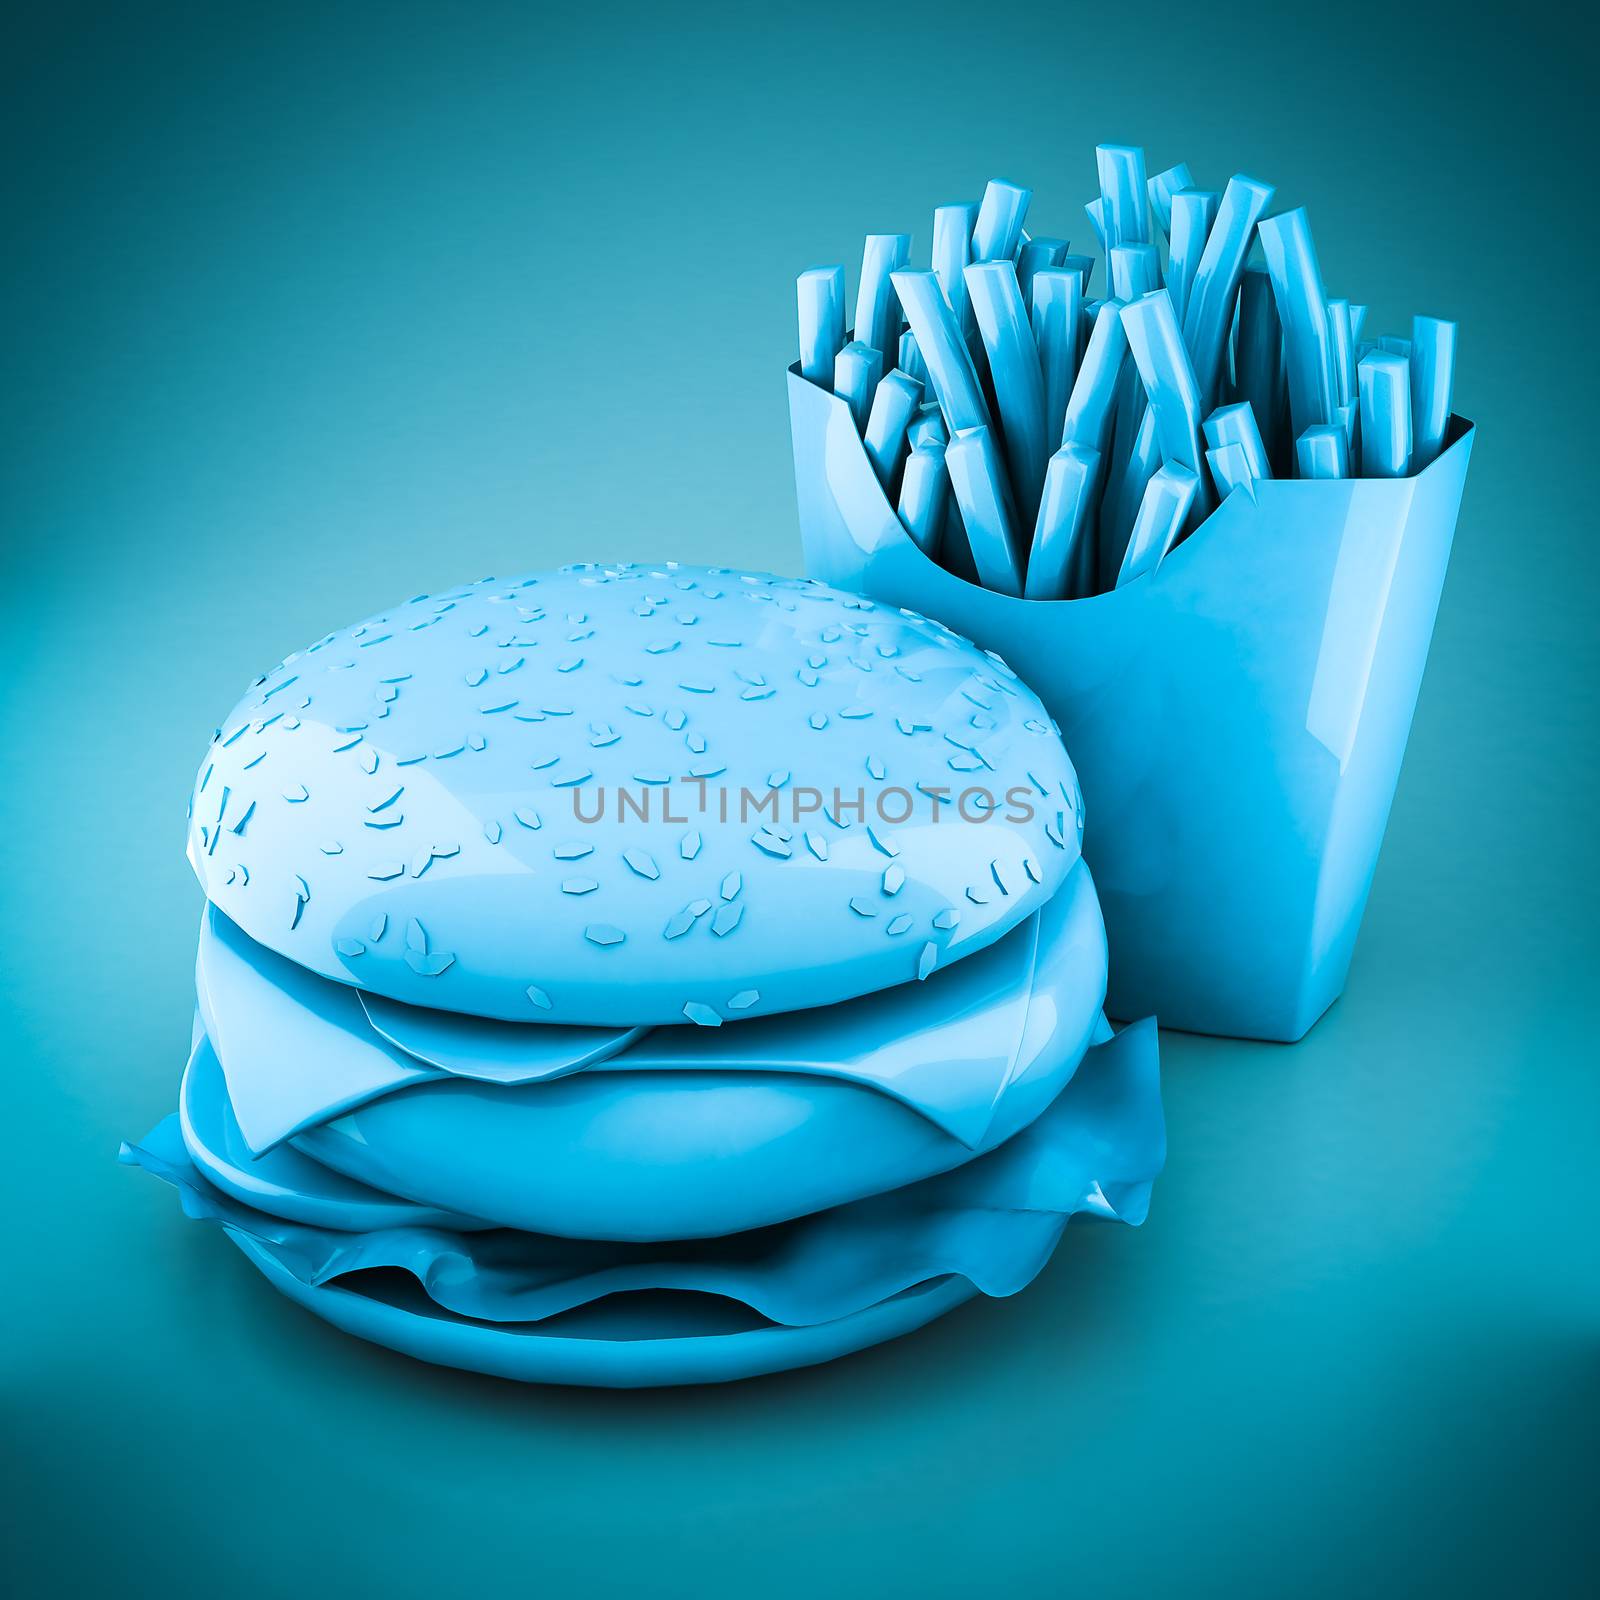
(308, 312)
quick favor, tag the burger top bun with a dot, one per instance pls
(632, 795)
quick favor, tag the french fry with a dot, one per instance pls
(1162, 511)
(998, 230)
(944, 351)
(1229, 470)
(1014, 370)
(1162, 358)
(1433, 367)
(856, 370)
(952, 251)
(1135, 461)
(820, 293)
(1062, 524)
(1088, 413)
(1162, 188)
(1032, 259)
(924, 493)
(910, 359)
(877, 310)
(894, 404)
(1343, 345)
(1349, 418)
(1083, 266)
(1095, 210)
(1191, 213)
(1322, 452)
(928, 426)
(1258, 363)
(978, 482)
(1135, 271)
(1236, 425)
(1303, 310)
(1385, 383)
(1057, 314)
(1208, 316)
(1124, 199)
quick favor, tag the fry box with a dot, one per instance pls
(1237, 717)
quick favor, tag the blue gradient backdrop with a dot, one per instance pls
(309, 310)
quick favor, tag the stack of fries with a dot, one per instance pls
(1053, 446)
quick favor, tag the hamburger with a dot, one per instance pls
(648, 974)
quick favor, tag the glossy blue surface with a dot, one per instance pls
(692, 1342)
(1163, 187)
(312, 306)
(1087, 419)
(951, 251)
(1163, 507)
(877, 319)
(1238, 716)
(1061, 528)
(1156, 344)
(1229, 467)
(1323, 453)
(1193, 212)
(936, 324)
(282, 1180)
(1124, 195)
(1258, 372)
(997, 229)
(466, 1046)
(992, 1223)
(856, 371)
(688, 1136)
(1236, 425)
(1036, 256)
(1433, 364)
(820, 299)
(686, 1132)
(925, 494)
(1057, 314)
(1385, 382)
(1208, 307)
(956, 1048)
(622, 795)
(1135, 270)
(1003, 325)
(894, 404)
(1308, 361)
(989, 528)
(321, 1095)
